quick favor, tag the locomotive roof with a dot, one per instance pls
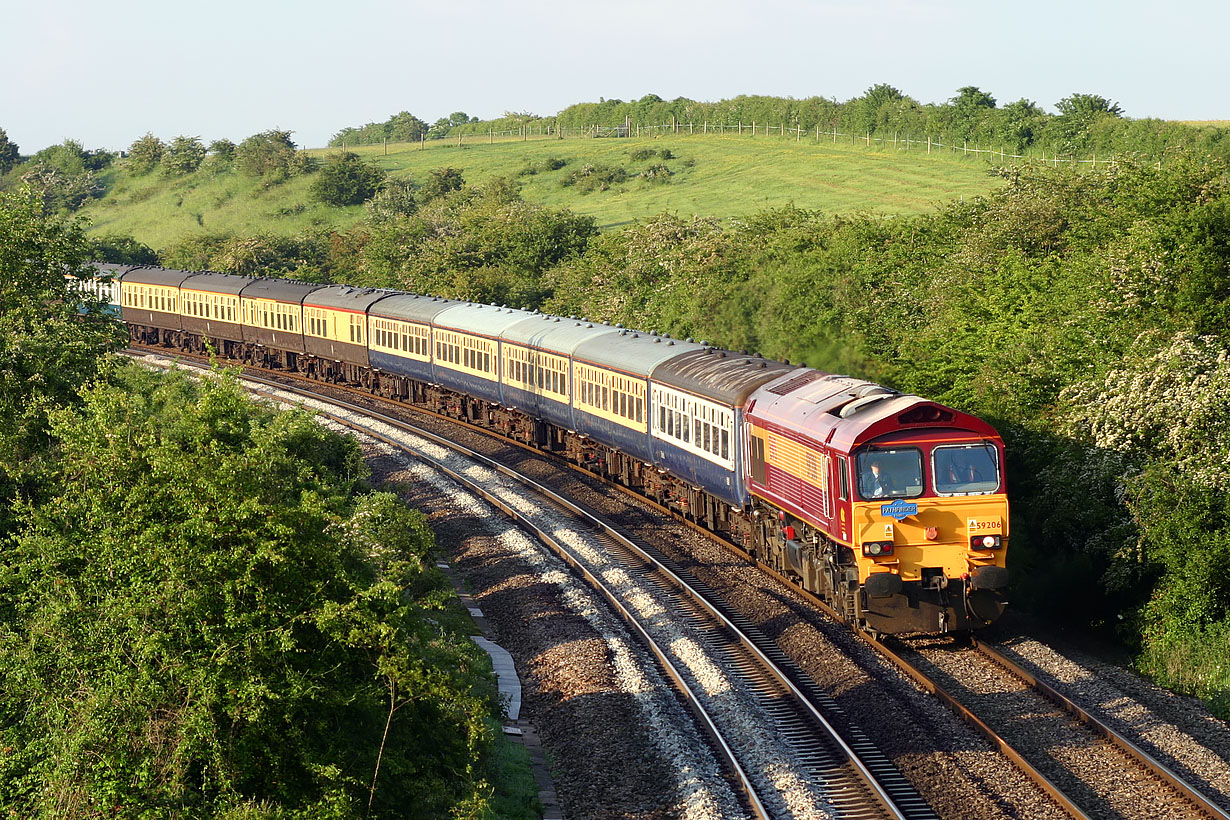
(555, 334)
(211, 282)
(720, 375)
(149, 275)
(481, 320)
(347, 297)
(411, 307)
(279, 290)
(632, 351)
(848, 413)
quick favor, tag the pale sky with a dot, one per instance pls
(105, 72)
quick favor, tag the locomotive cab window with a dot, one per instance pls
(965, 469)
(890, 474)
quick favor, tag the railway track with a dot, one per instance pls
(1098, 776)
(1061, 746)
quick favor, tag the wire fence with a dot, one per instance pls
(897, 142)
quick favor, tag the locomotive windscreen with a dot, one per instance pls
(890, 474)
(965, 469)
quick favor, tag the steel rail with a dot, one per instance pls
(1156, 767)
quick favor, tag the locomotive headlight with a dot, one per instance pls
(985, 542)
(875, 549)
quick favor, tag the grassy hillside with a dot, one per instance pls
(709, 175)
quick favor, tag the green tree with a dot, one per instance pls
(345, 179)
(875, 108)
(1087, 106)
(270, 154)
(202, 623)
(405, 127)
(121, 250)
(1079, 115)
(9, 153)
(970, 110)
(64, 175)
(145, 154)
(440, 182)
(1017, 124)
(485, 245)
(48, 346)
(394, 199)
(183, 156)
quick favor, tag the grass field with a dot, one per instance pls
(720, 176)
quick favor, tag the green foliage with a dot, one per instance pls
(483, 245)
(9, 153)
(223, 150)
(395, 198)
(183, 156)
(64, 175)
(60, 191)
(48, 347)
(589, 178)
(401, 127)
(440, 182)
(345, 179)
(545, 167)
(121, 250)
(271, 155)
(145, 154)
(202, 623)
(309, 256)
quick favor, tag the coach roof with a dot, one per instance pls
(554, 334)
(210, 282)
(279, 290)
(156, 276)
(478, 319)
(411, 307)
(720, 375)
(634, 352)
(346, 297)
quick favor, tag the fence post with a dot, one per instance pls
(753, 128)
(928, 143)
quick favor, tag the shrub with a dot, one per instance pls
(347, 180)
(184, 156)
(440, 182)
(595, 178)
(145, 154)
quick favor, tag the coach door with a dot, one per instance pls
(760, 473)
